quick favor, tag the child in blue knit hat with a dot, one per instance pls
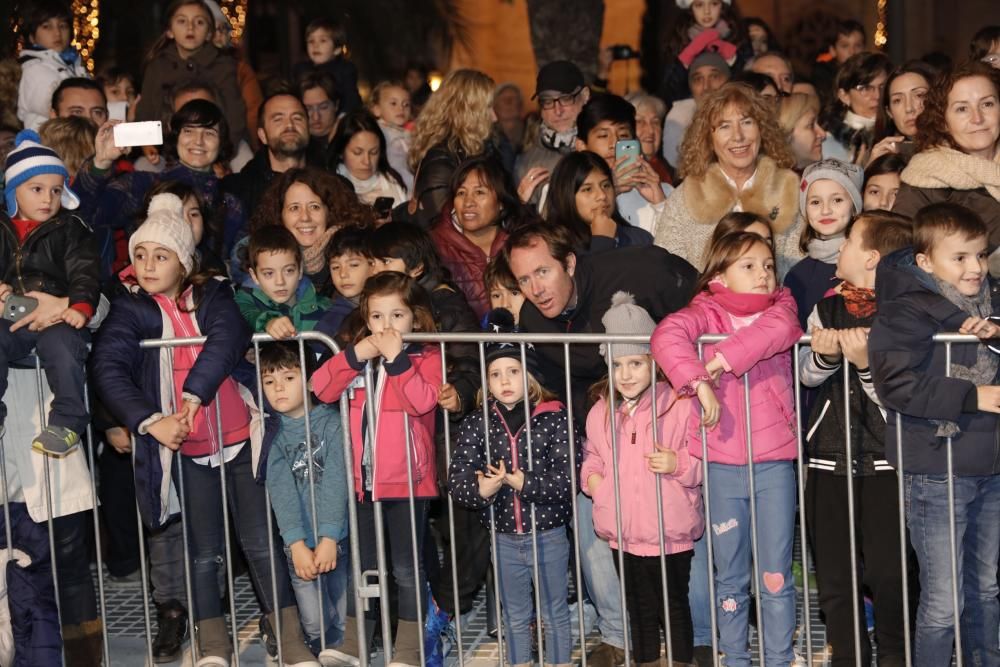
(49, 256)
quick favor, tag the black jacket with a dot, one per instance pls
(59, 257)
(908, 370)
(547, 485)
(661, 282)
(251, 182)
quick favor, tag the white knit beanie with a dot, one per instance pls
(165, 225)
(626, 317)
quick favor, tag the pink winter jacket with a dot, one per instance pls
(411, 388)
(683, 520)
(759, 350)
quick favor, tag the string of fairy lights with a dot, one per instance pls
(87, 15)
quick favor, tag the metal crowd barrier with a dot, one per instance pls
(364, 591)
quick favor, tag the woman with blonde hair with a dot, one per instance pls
(456, 124)
(734, 158)
(797, 117)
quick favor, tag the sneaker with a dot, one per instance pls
(57, 441)
(132, 580)
(267, 636)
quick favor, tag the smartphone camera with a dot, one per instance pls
(623, 52)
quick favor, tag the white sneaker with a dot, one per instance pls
(331, 657)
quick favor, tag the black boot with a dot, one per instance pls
(171, 631)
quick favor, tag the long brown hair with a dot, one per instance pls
(343, 206)
(724, 253)
(410, 293)
(162, 42)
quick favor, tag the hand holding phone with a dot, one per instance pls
(383, 207)
(146, 133)
(629, 149)
(18, 307)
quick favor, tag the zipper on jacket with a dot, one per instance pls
(19, 254)
(513, 438)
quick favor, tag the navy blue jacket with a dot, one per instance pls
(129, 378)
(809, 281)
(908, 371)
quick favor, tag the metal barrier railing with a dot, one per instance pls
(363, 591)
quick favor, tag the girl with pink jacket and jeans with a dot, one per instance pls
(643, 462)
(737, 295)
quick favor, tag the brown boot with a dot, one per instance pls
(214, 647)
(294, 651)
(406, 650)
(84, 644)
(606, 655)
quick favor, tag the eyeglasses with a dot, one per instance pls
(322, 107)
(868, 89)
(548, 103)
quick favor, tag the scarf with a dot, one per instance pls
(69, 55)
(361, 187)
(720, 26)
(857, 121)
(943, 167)
(740, 304)
(859, 301)
(557, 141)
(984, 371)
(826, 250)
(314, 256)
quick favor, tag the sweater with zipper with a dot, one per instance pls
(547, 478)
(305, 311)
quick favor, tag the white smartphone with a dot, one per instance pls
(118, 111)
(147, 133)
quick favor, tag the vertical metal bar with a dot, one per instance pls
(420, 592)
(574, 482)
(352, 517)
(451, 520)
(311, 479)
(753, 519)
(106, 649)
(188, 585)
(617, 489)
(383, 570)
(43, 422)
(713, 610)
(901, 499)
(534, 526)
(493, 526)
(267, 497)
(801, 488)
(147, 623)
(852, 536)
(665, 592)
(225, 529)
(952, 538)
(8, 531)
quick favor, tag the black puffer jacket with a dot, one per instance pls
(908, 370)
(548, 485)
(59, 257)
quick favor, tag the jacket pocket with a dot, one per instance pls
(421, 450)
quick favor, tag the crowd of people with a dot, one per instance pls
(857, 202)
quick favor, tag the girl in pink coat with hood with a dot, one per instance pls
(644, 461)
(738, 295)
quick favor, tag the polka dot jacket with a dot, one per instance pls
(547, 481)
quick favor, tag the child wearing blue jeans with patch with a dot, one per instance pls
(319, 563)
(942, 285)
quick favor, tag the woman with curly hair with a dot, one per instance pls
(455, 125)
(312, 204)
(734, 158)
(958, 149)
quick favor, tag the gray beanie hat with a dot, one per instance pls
(850, 176)
(626, 317)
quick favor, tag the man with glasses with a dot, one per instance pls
(318, 92)
(561, 93)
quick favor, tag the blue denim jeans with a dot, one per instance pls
(333, 585)
(516, 573)
(729, 492)
(977, 528)
(698, 598)
(598, 569)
